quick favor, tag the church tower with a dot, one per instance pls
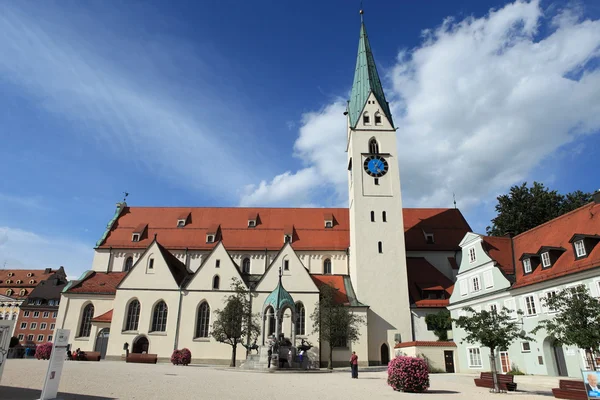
(377, 251)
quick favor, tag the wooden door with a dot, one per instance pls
(449, 360)
(504, 362)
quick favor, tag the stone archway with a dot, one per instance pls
(140, 345)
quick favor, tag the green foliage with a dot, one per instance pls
(577, 319)
(494, 330)
(524, 208)
(440, 322)
(235, 322)
(334, 322)
(514, 370)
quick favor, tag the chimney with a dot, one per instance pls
(596, 197)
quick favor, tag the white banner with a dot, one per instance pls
(57, 359)
(6, 327)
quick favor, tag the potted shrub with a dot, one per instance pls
(43, 351)
(176, 357)
(186, 356)
(408, 374)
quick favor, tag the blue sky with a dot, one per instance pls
(240, 103)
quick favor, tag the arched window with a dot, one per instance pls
(380, 247)
(246, 266)
(128, 264)
(9, 292)
(86, 321)
(372, 216)
(159, 317)
(377, 118)
(366, 118)
(270, 321)
(301, 321)
(384, 216)
(22, 292)
(202, 320)
(216, 281)
(327, 266)
(373, 146)
(133, 316)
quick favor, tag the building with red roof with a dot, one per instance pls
(519, 273)
(159, 273)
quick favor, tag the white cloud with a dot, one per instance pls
(25, 249)
(479, 104)
(123, 93)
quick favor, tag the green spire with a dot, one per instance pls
(366, 80)
(279, 298)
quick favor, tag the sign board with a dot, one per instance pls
(6, 328)
(591, 380)
(55, 366)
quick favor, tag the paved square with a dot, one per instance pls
(110, 380)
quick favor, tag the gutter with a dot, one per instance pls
(178, 319)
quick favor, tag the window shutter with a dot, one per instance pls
(463, 287)
(510, 304)
(594, 289)
(488, 279)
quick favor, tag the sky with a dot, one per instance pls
(233, 103)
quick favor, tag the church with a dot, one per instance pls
(159, 273)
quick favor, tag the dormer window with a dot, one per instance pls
(377, 118)
(429, 238)
(328, 218)
(287, 238)
(472, 256)
(366, 118)
(135, 237)
(288, 233)
(546, 260)
(19, 281)
(328, 224)
(251, 223)
(183, 219)
(30, 274)
(527, 265)
(180, 223)
(22, 292)
(139, 232)
(8, 281)
(210, 238)
(10, 274)
(580, 248)
(32, 281)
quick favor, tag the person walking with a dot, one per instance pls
(269, 355)
(354, 365)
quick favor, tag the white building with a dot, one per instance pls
(518, 273)
(159, 273)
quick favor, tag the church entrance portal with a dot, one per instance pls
(102, 342)
(385, 354)
(140, 345)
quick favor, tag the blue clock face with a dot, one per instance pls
(376, 166)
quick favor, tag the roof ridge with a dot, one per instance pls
(591, 205)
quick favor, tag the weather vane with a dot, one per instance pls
(126, 194)
(454, 198)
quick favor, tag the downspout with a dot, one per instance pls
(62, 325)
(266, 259)
(412, 325)
(178, 318)
(109, 258)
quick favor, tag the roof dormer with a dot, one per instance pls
(328, 219)
(530, 262)
(549, 254)
(583, 244)
(212, 232)
(183, 219)
(252, 219)
(288, 234)
(139, 232)
(429, 239)
(30, 274)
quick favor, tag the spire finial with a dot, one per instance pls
(454, 198)
(361, 11)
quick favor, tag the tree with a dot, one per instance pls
(494, 330)
(235, 322)
(577, 319)
(524, 208)
(334, 322)
(440, 322)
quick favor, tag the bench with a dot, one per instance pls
(142, 358)
(570, 389)
(505, 382)
(89, 356)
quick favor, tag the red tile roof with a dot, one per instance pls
(423, 277)
(557, 233)
(8, 281)
(424, 344)
(98, 283)
(447, 225)
(106, 317)
(500, 250)
(337, 281)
